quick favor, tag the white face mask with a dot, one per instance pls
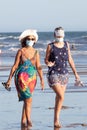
(59, 39)
(29, 43)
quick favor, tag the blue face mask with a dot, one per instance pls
(29, 43)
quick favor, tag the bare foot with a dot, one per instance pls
(57, 125)
(23, 125)
(29, 124)
(24, 128)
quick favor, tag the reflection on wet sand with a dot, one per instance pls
(55, 128)
(25, 128)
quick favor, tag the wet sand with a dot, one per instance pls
(73, 115)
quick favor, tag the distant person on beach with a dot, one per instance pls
(57, 55)
(25, 68)
(73, 47)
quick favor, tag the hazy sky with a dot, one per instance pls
(43, 15)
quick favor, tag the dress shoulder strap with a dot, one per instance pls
(35, 53)
(66, 44)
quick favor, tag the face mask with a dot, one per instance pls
(59, 39)
(29, 43)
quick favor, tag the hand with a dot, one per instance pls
(50, 64)
(42, 84)
(78, 83)
(6, 85)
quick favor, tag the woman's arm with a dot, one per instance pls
(47, 54)
(47, 57)
(14, 67)
(39, 69)
(71, 63)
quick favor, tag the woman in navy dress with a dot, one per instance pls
(57, 55)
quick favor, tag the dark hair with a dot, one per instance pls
(58, 28)
(23, 42)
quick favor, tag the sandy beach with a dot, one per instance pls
(73, 114)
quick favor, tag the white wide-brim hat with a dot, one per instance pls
(28, 32)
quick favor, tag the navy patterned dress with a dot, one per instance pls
(58, 74)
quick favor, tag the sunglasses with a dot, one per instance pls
(33, 39)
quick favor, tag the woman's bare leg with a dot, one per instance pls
(28, 104)
(23, 119)
(59, 90)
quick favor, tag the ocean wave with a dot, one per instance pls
(79, 52)
(9, 43)
(80, 39)
(41, 49)
(85, 36)
(13, 49)
(11, 52)
(9, 37)
(44, 42)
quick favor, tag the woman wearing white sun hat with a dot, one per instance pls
(27, 63)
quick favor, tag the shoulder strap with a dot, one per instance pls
(35, 53)
(66, 44)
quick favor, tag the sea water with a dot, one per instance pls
(9, 44)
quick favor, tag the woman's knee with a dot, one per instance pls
(59, 97)
(28, 101)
